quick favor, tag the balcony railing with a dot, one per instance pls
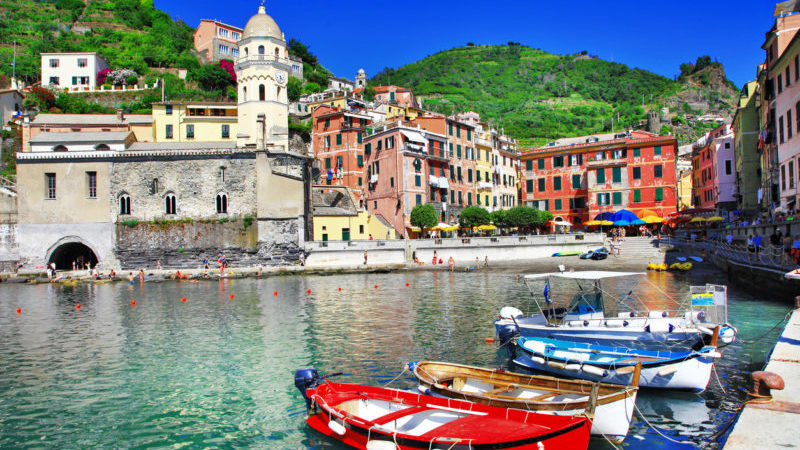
(607, 162)
(264, 59)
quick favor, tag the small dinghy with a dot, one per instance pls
(681, 258)
(696, 258)
(568, 253)
(793, 275)
(659, 369)
(612, 404)
(373, 418)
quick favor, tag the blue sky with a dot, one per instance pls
(373, 34)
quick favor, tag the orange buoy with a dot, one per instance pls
(133, 302)
(376, 286)
(489, 340)
(19, 310)
(276, 293)
(231, 296)
(183, 299)
(78, 306)
(340, 289)
(406, 284)
(309, 291)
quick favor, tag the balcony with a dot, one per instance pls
(607, 162)
(482, 185)
(264, 59)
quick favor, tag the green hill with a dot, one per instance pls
(536, 95)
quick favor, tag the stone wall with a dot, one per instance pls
(280, 240)
(9, 251)
(194, 181)
(184, 245)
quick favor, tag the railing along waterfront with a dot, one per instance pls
(768, 256)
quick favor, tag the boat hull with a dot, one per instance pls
(614, 405)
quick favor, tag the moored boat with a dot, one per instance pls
(689, 370)
(582, 307)
(376, 418)
(612, 406)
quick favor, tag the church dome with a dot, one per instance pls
(361, 72)
(262, 25)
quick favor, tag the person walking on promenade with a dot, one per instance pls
(486, 261)
(757, 243)
(451, 264)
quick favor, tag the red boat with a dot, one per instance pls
(373, 418)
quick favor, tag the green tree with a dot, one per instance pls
(424, 216)
(300, 50)
(211, 77)
(369, 93)
(522, 217)
(294, 88)
(499, 217)
(473, 216)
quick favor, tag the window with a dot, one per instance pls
(244, 93)
(657, 151)
(728, 167)
(262, 93)
(339, 161)
(783, 179)
(529, 164)
(50, 185)
(780, 129)
(788, 77)
(601, 175)
(659, 194)
(168, 131)
(359, 137)
(469, 198)
(791, 174)
(223, 32)
(261, 50)
(458, 150)
(458, 131)
(617, 198)
(797, 115)
(360, 181)
(789, 124)
(91, 184)
(54, 62)
(637, 195)
(419, 199)
(558, 161)
(557, 204)
(102, 148)
(616, 174)
(637, 152)
(170, 204)
(658, 170)
(469, 134)
(557, 183)
(235, 52)
(360, 159)
(168, 110)
(60, 148)
(433, 195)
(54, 81)
(391, 181)
(529, 184)
(432, 169)
(637, 173)
(478, 176)
(603, 199)
(222, 203)
(226, 131)
(339, 139)
(190, 131)
(780, 84)
(540, 164)
(576, 181)
(541, 184)
(797, 68)
(469, 175)
(124, 204)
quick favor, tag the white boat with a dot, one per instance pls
(577, 306)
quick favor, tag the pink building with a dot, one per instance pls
(714, 170)
(786, 106)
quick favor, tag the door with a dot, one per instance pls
(345, 234)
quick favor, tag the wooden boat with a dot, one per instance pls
(613, 404)
(373, 418)
(688, 370)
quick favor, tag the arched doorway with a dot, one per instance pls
(72, 252)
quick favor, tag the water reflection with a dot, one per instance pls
(213, 371)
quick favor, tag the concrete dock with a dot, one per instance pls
(773, 424)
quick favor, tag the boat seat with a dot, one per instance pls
(472, 385)
(398, 414)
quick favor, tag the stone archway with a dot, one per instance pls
(65, 253)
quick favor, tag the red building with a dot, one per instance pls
(337, 142)
(578, 178)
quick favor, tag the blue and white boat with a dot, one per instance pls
(582, 307)
(616, 365)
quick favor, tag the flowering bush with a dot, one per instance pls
(102, 75)
(121, 76)
(39, 98)
(228, 66)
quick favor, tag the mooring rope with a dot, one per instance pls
(405, 368)
(656, 429)
(762, 336)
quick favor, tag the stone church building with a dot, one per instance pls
(124, 204)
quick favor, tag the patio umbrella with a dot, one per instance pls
(697, 219)
(603, 216)
(606, 222)
(638, 222)
(653, 219)
(621, 223)
(592, 223)
(451, 228)
(715, 219)
(414, 229)
(623, 215)
(440, 227)
(486, 227)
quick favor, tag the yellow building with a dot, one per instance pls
(336, 217)
(402, 112)
(483, 169)
(194, 122)
(685, 189)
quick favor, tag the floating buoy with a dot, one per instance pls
(276, 293)
(488, 340)
(376, 286)
(78, 306)
(406, 284)
(133, 302)
(309, 291)
(19, 310)
(183, 299)
(340, 289)
(231, 296)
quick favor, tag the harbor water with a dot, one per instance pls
(217, 369)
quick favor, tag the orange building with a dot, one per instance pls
(395, 95)
(215, 40)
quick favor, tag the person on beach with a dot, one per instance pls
(205, 263)
(158, 264)
(112, 274)
(435, 258)
(130, 277)
(141, 276)
(486, 261)
(365, 257)
(302, 258)
(477, 263)
(451, 264)
(370, 237)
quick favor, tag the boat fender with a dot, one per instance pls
(728, 335)
(576, 323)
(424, 390)
(572, 367)
(657, 314)
(556, 365)
(625, 369)
(658, 327)
(337, 428)
(380, 445)
(305, 379)
(538, 360)
(714, 354)
(615, 323)
(671, 327)
(592, 370)
(668, 370)
(586, 323)
(412, 365)
(625, 323)
(509, 312)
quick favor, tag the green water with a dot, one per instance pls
(216, 372)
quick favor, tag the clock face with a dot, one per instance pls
(281, 77)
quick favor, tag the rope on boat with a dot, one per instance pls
(656, 429)
(716, 375)
(762, 336)
(405, 368)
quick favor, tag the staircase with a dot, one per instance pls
(8, 185)
(641, 248)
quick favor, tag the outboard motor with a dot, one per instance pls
(506, 334)
(306, 379)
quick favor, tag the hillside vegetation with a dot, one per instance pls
(538, 96)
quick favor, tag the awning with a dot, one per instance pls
(414, 136)
(443, 184)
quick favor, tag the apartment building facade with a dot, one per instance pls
(214, 40)
(195, 122)
(74, 70)
(786, 104)
(745, 147)
(578, 178)
(338, 145)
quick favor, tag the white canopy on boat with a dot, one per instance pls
(584, 275)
